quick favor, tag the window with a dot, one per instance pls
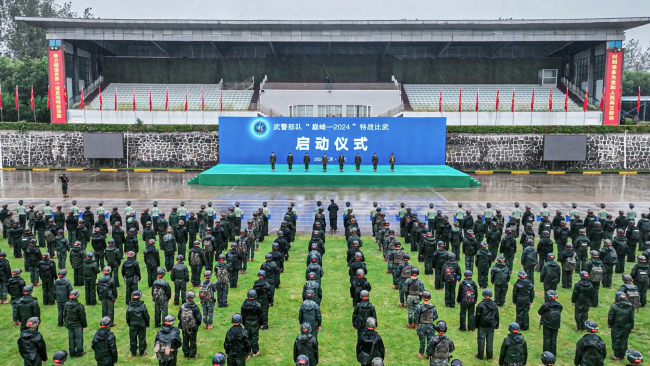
(357, 111)
(85, 71)
(69, 65)
(599, 67)
(582, 70)
(330, 111)
(301, 110)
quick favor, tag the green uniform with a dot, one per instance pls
(621, 320)
(74, 317)
(161, 292)
(424, 316)
(137, 318)
(545, 212)
(128, 210)
(573, 213)
(101, 211)
(602, 214)
(581, 297)
(439, 350)
(414, 288)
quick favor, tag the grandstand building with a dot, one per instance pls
(193, 71)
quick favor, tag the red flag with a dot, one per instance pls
(566, 100)
(638, 102)
(166, 98)
(497, 102)
(602, 101)
(584, 107)
(550, 100)
(65, 94)
(115, 100)
(101, 101)
(186, 101)
(221, 101)
(476, 108)
(460, 99)
(82, 99)
(512, 106)
(17, 97)
(134, 100)
(47, 107)
(31, 98)
(532, 101)
(440, 102)
(150, 103)
(0, 96)
(202, 103)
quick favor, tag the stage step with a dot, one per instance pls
(474, 183)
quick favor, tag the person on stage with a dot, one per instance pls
(341, 162)
(375, 161)
(391, 160)
(273, 159)
(306, 161)
(325, 163)
(357, 162)
(290, 161)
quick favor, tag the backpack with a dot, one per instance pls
(531, 256)
(634, 298)
(596, 274)
(159, 294)
(398, 258)
(441, 349)
(570, 263)
(406, 271)
(49, 237)
(187, 319)
(222, 276)
(164, 354)
(642, 276)
(635, 234)
(449, 274)
(195, 259)
(551, 274)
(206, 292)
(207, 246)
(469, 295)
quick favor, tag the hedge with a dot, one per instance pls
(24, 127)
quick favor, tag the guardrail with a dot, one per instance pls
(398, 109)
(269, 112)
(87, 90)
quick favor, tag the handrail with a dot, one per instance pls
(392, 111)
(269, 112)
(87, 90)
(577, 91)
(242, 85)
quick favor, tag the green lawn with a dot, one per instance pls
(337, 338)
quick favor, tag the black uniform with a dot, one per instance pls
(131, 274)
(105, 347)
(189, 316)
(467, 295)
(137, 318)
(550, 318)
(180, 276)
(169, 335)
(31, 347)
(581, 297)
(237, 345)
(251, 312)
(523, 294)
(486, 320)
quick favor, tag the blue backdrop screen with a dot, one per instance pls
(413, 141)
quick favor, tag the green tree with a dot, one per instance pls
(20, 40)
(636, 58)
(632, 80)
(24, 73)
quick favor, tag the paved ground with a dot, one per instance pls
(115, 188)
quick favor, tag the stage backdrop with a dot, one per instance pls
(413, 141)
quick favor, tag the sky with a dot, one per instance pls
(370, 10)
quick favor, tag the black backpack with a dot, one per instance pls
(448, 273)
(468, 296)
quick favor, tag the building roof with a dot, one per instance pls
(603, 29)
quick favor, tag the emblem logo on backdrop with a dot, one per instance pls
(260, 128)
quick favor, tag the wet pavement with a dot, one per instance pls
(115, 188)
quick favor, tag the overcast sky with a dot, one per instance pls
(371, 9)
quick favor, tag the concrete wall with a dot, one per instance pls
(379, 100)
(201, 150)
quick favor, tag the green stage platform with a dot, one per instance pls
(404, 176)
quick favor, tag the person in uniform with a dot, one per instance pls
(306, 160)
(341, 162)
(251, 312)
(290, 161)
(486, 320)
(581, 300)
(31, 345)
(161, 293)
(640, 273)
(104, 344)
(273, 159)
(514, 350)
(189, 321)
(391, 161)
(551, 319)
(324, 161)
(523, 295)
(180, 275)
(424, 316)
(131, 275)
(236, 345)
(306, 347)
(107, 293)
(137, 318)
(64, 185)
(590, 349)
(440, 346)
(467, 295)
(370, 345)
(62, 289)
(167, 343)
(357, 162)
(74, 318)
(375, 161)
(621, 321)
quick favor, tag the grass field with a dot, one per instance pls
(337, 338)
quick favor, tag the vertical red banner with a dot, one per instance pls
(56, 60)
(612, 84)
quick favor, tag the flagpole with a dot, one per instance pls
(186, 101)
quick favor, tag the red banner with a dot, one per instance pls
(56, 61)
(613, 76)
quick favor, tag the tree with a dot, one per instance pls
(636, 58)
(19, 40)
(24, 73)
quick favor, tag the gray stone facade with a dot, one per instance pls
(201, 150)
(150, 150)
(525, 152)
